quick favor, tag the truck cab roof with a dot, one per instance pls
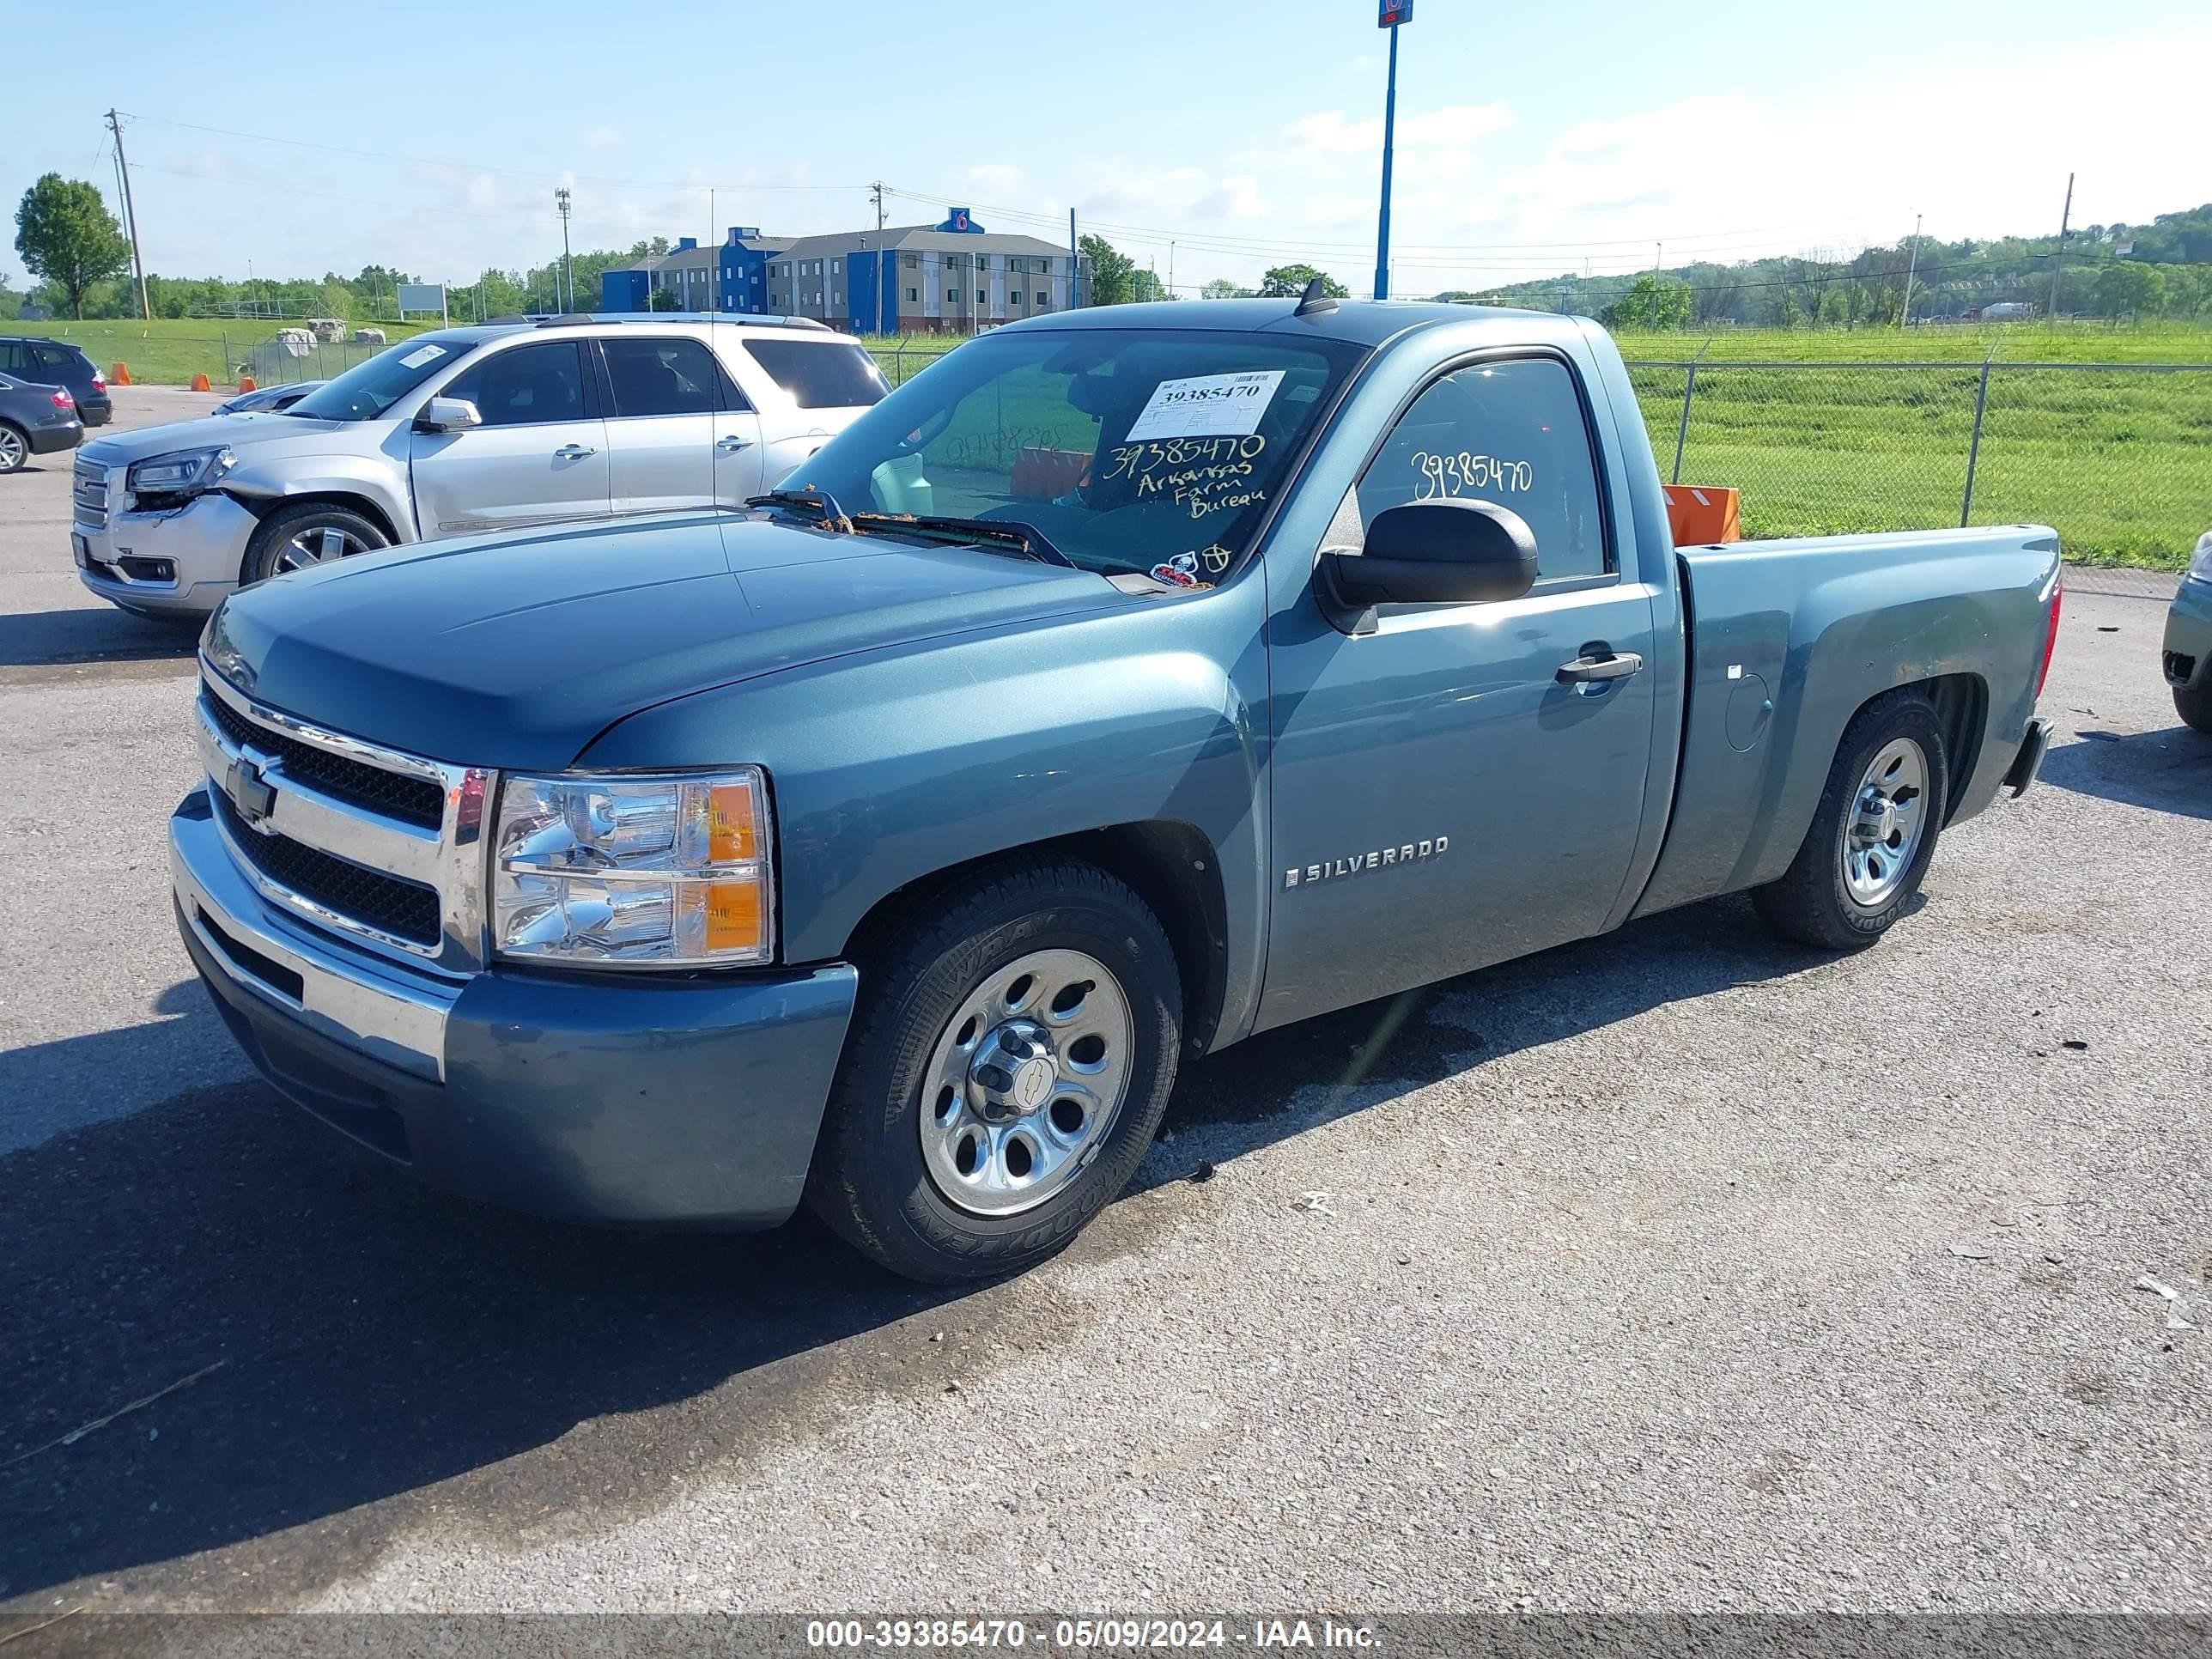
(1360, 322)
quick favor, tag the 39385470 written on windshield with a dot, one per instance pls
(1140, 451)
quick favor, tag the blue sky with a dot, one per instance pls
(1216, 137)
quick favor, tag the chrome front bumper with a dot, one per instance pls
(380, 1009)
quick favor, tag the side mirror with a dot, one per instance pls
(449, 415)
(1443, 552)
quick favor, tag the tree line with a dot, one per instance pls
(2123, 272)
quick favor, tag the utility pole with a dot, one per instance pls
(2065, 216)
(876, 190)
(567, 269)
(1170, 293)
(1074, 264)
(1911, 264)
(1392, 13)
(130, 215)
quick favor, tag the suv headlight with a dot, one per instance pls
(628, 871)
(2200, 567)
(187, 472)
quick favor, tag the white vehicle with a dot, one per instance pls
(464, 429)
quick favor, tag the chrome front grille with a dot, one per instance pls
(381, 846)
(88, 493)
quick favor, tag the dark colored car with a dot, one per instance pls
(36, 419)
(57, 362)
(268, 399)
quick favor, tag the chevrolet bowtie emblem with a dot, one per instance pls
(252, 794)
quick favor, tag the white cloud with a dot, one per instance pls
(603, 138)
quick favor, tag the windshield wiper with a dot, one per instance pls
(1005, 532)
(834, 517)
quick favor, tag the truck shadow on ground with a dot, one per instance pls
(39, 638)
(2169, 770)
(370, 1340)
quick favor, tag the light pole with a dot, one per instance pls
(1911, 264)
(567, 270)
(1392, 13)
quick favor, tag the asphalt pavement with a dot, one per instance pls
(1681, 1270)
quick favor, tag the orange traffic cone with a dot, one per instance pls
(120, 375)
(246, 383)
(200, 383)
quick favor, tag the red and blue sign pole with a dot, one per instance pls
(1394, 12)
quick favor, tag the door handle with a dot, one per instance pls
(1596, 664)
(573, 451)
(732, 446)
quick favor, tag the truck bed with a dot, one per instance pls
(1789, 639)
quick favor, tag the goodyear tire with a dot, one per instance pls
(1013, 1051)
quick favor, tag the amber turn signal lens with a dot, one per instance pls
(733, 916)
(733, 829)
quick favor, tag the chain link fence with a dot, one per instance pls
(902, 358)
(2117, 456)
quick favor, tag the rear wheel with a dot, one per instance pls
(1008, 1064)
(300, 538)
(14, 448)
(1874, 832)
(2194, 705)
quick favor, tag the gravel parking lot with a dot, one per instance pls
(1676, 1270)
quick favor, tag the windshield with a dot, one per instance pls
(1134, 452)
(364, 392)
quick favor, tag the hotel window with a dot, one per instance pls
(832, 267)
(914, 296)
(1040, 298)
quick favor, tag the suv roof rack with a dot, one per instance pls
(648, 318)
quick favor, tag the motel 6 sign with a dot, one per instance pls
(1395, 12)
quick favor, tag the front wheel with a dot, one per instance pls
(2194, 705)
(14, 448)
(300, 538)
(1872, 833)
(1010, 1060)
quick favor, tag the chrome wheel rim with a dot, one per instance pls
(1889, 819)
(315, 544)
(11, 452)
(1025, 1081)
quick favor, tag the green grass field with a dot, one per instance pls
(1965, 343)
(170, 351)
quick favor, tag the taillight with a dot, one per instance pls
(2050, 631)
(99, 381)
(63, 400)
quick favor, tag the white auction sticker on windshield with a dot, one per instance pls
(1208, 406)
(422, 355)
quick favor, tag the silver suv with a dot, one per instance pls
(460, 430)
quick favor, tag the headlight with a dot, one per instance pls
(187, 472)
(2200, 567)
(620, 872)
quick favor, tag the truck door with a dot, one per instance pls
(661, 421)
(540, 455)
(1450, 790)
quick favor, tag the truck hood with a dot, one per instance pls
(240, 432)
(515, 651)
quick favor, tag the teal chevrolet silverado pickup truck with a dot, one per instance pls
(1129, 682)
